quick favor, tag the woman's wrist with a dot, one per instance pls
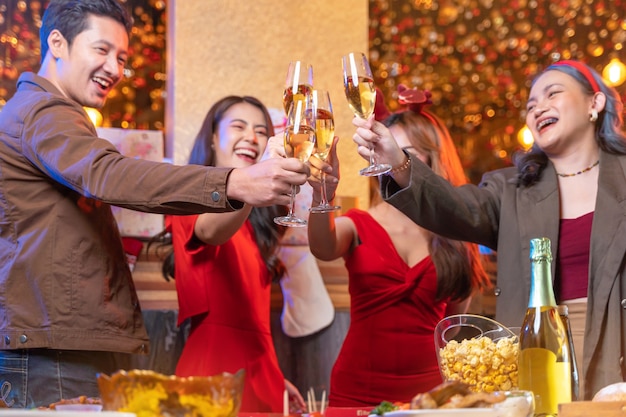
(401, 173)
(402, 166)
(406, 164)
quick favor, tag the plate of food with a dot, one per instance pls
(81, 406)
(10, 412)
(78, 407)
(456, 399)
(451, 412)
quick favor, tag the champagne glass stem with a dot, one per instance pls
(292, 203)
(372, 158)
(291, 219)
(323, 190)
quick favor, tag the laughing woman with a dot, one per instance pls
(224, 264)
(569, 187)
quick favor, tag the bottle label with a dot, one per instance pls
(548, 379)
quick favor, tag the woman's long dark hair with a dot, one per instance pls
(459, 267)
(609, 134)
(266, 232)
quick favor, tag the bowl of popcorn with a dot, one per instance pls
(150, 394)
(477, 351)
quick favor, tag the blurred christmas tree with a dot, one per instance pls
(137, 102)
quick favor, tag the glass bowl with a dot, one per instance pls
(478, 351)
(150, 394)
(518, 403)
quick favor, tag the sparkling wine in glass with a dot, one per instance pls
(324, 135)
(299, 143)
(358, 83)
(298, 84)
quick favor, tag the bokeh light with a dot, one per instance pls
(478, 57)
(144, 83)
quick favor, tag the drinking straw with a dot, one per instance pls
(323, 405)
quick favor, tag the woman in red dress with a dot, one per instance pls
(224, 264)
(402, 279)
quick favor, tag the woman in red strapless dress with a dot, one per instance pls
(402, 279)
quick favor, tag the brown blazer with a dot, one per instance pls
(503, 217)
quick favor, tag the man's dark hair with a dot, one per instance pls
(70, 17)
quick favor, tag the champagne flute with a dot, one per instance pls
(299, 143)
(358, 83)
(299, 83)
(324, 135)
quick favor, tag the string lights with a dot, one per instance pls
(478, 57)
(137, 102)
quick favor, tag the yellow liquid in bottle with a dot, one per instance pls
(548, 379)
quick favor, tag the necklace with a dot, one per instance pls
(589, 168)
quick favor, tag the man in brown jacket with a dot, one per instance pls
(67, 299)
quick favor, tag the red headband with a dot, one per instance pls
(584, 70)
(413, 99)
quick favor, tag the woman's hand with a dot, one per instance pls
(275, 147)
(296, 402)
(372, 136)
(330, 168)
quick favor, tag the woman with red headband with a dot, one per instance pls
(403, 279)
(570, 187)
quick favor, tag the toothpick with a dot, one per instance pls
(323, 406)
(285, 403)
(313, 402)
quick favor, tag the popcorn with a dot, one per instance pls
(485, 365)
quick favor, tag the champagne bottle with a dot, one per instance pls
(544, 358)
(564, 313)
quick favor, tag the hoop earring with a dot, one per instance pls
(593, 116)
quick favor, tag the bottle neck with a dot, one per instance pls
(541, 292)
